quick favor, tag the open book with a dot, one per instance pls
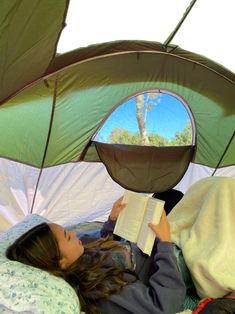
(132, 222)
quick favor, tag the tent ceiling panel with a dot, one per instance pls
(228, 157)
(107, 81)
(77, 113)
(29, 34)
(124, 46)
(25, 122)
(87, 91)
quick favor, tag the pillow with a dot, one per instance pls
(26, 289)
(91, 229)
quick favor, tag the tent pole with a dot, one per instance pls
(47, 143)
(169, 39)
(230, 141)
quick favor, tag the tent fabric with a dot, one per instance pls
(29, 33)
(66, 194)
(53, 121)
(51, 106)
(128, 46)
(163, 166)
(86, 92)
(70, 193)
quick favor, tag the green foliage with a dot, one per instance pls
(184, 137)
(122, 136)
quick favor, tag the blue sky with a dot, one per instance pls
(166, 116)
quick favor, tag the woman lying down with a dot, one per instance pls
(108, 276)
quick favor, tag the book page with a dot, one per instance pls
(153, 214)
(129, 220)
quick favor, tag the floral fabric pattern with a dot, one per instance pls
(26, 289)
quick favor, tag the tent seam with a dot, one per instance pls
(47, 142)
(113, 54)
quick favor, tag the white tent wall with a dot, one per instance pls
(17, 186)
(76, 192)
(197, 172)
(69, 193)
(66, 194)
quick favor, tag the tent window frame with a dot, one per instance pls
(152, 90)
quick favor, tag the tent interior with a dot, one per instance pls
(80, 127)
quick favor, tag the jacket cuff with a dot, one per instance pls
(111, 223)
(166, 247)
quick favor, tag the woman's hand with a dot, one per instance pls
(162, 230)
(117, 208)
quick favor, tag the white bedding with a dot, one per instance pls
(202, 225)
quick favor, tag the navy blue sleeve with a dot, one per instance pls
(107, 228)
(163, 294)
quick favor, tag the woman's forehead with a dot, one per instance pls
(56, 229)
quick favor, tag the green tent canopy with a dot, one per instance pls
(51, 107)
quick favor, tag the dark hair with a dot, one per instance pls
(90, 276)
(37, 247)
(220, 306)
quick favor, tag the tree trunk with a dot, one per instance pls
(140, 119)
